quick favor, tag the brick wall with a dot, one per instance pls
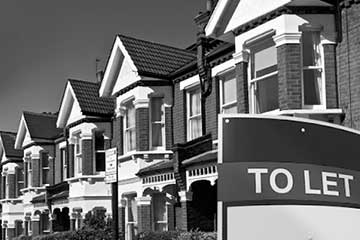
(70, 160)
(289, 75)
(144, 218)
(87, 157)
(10, 233)
(142, 129)
(121, 212)
(179, 115)
(168, 128)
(212, 109)
(242, 87)
(35, 172)
(348, 66)
(330, 75)
(12, 185)
(117, 140)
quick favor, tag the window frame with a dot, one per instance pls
(250, 44)
(98, 151)
(47, 169)
(63, 160)
(29, 173)
(189, 92)
(77, 154)
(161, 122)
(130, 129)
(226, 75)
(320, 68)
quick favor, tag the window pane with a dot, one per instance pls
(130, 115)
(100, 161)
(264, 59)
(45, 176)
(159, 209)
(99, 141)
(156, 139)
(156, 109)
(267, 97)
(310, 48)
(229, 90)
(45, 159)
(195, 103)
(230, 109)
(195, 127)
(312, 86)
(130, 139)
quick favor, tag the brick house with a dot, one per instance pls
(291, 58)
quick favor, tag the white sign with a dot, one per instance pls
(111, 165)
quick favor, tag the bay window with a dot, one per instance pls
(264, 93)
(129, 127)
(194, 128)
(157, 123)
(228, 95)
(99, 151)
(312, 69)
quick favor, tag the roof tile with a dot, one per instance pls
(8, 141)
(42, 125)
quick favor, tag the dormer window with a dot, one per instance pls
(129, 127)
(264, 89)
(312, 68)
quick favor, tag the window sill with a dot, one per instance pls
(279, 112)
(11, 200)
(87, 178)
(146, 155)
(33, 189)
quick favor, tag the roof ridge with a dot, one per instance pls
(82, 81)
(161, 44)
(7, 132)
(41, 114)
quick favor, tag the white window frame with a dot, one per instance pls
(98, 151)
(126, 129)
(252, 81)
(162, 122)
(64, 163)
(320, 68)
(44, 169)
(189, 92)
(224, 76)
(7, 186)
(78, 154)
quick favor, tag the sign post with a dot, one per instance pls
(111, 173)
(287, 178)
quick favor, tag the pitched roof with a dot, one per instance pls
(8, 141)
(155, 59)
(42, 125)
(87, 94)
(157, 168)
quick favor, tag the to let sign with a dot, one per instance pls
(111, 165)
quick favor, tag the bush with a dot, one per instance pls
(197, 235)
(157, 235)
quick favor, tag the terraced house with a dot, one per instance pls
(159, 105)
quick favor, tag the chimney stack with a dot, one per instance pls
(210, 5)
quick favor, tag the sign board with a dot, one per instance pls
(111, 165)
(283, 164)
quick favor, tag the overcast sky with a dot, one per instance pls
(45, 42)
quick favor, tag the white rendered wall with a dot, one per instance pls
(293, 222)
(75, 113)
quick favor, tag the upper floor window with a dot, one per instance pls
(312, 69)
(19, 180)
(45, 168)
(99, 143)
(29, 173)
(194, 128)
(157, 123)
(63, 163)
(228, 95)
(129, 127)
(263, 81)
(78, 156)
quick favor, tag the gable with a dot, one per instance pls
(75, 112)
(230, 14)
(23, 135)
(69, 109)
(119, 64)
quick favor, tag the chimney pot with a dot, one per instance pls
(99, 76)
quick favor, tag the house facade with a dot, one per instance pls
(159, 105)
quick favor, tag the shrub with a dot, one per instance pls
(197, 235)
(176, 235)
(149, 235)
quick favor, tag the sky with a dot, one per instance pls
(45, 42)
